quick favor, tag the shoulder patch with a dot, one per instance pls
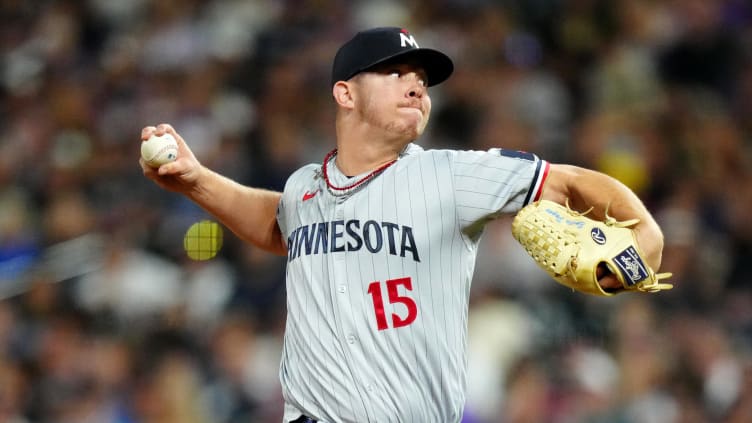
(516, 154)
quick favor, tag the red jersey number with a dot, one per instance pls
(394, 297)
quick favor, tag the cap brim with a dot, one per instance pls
(437, 65)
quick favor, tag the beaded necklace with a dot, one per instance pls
(341, 191)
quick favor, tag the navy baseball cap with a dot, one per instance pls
(380, 45)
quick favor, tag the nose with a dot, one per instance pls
(418, 88)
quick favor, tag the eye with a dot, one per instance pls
(398, 72)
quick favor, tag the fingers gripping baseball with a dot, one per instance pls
(179, 175)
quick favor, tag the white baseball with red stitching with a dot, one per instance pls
(158, 150)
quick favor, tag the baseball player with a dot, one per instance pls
(381, 238)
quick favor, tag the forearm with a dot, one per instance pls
(585, 188)
(248, 212)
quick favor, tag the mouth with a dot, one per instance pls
(416, 106)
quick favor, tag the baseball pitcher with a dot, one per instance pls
(381, 238)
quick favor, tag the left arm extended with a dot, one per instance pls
(585, 188)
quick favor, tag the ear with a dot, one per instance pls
(343, 94)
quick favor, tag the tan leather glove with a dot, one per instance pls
(570, 247)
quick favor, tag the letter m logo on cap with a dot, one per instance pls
(407, 39)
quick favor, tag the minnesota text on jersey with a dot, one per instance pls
(340, 236)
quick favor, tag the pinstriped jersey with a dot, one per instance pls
(378, 281)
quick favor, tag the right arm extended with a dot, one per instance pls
(251, 213)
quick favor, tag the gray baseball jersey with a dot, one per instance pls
(378, 281)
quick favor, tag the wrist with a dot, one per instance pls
(200, 189)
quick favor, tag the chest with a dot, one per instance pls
(332, 225)
(399, 214)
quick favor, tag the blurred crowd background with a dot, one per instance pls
(104, 319)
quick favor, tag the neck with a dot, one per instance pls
(357, 160)
(350, 188)
(358, 153)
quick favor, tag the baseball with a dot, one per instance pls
(158, 150)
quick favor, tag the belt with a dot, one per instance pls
(304, 419)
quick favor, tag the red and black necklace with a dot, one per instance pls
(347, 189)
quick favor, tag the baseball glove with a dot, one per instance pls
(570, 247)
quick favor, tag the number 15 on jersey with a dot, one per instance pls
(394, 297)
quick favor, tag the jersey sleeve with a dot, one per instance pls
(286, 209)
(494, 182)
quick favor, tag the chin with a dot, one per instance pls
(418, 131)
(417, 127)
(413, 133)
(409, 132)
